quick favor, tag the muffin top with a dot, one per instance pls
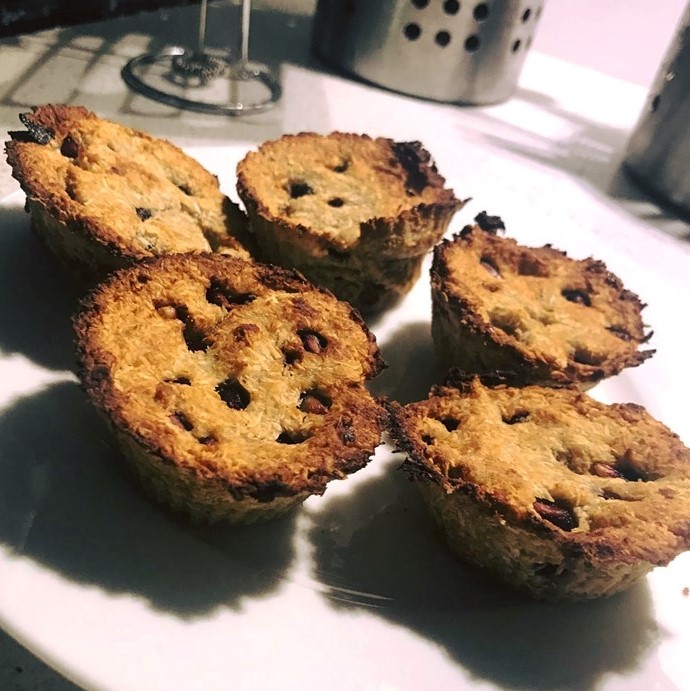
(603, 481)
(572, 319)
(331, 185)
(134, 194)
(239, 371)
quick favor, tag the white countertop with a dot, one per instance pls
(570, 118)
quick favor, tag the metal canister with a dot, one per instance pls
(445, 50)
(658, 154)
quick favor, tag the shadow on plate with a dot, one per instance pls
(378, 549)
(38, 300)
(69, 504)
(412, 364)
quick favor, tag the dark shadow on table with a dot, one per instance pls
(377, 549)
(38, 297)
(69, 504)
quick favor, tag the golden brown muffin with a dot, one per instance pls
(553, 492)
(236, 390)
(102, 196)
(354, 214)
(533, 314)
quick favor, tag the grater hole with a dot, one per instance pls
(526, 14)
(655, 103)
(420, 4)
(516, 45)
(412, 31)
(451, 6)
(442, 38)
(472, 44)
(481, 12)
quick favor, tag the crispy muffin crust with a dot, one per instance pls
(103, 196)
(354, 214)
(235, 389)
(532, 313)
(555, 493)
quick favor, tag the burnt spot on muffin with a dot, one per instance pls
(342, 166)
(243, 333)
(620, 332)
(336, 202)
(344, 428)
(413, 157)
(233, 394)
(586, 356)
(143, 213)
(40, 134)
(69, 148)
(490, 224)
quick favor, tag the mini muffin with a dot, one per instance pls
(236, 390)
(354, 214)
(533, 314)
(103, 196)
(554, 493)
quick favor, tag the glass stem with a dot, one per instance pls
(246, 12)
(201, 41)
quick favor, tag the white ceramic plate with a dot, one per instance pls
(354, 591)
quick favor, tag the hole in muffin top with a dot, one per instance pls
(299, 188)
(233, 394)
(451, 424)
(315, 402)
(489, 263)
(585, 356)
(181, 421)
(292, 437)
(515, 418)
(222, 295)
(557, 513)
(578, 296)
(312, 341)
